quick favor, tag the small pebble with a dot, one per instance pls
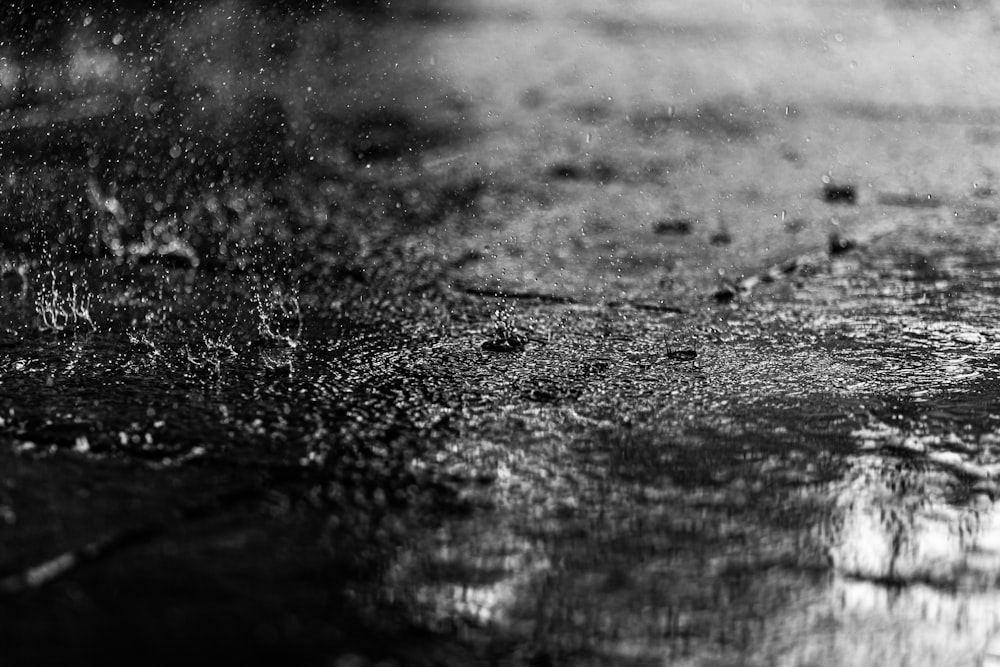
(721, 237)
(677, 226)
(725, 294)
(504, 344)
(838, 244)
(564, 170)
(839, 194)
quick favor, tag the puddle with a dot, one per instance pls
(443, 380)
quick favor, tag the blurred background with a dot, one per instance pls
(744, 105)
(422, 73)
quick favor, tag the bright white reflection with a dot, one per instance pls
(912, 578)
(916, 557)
(897, 526)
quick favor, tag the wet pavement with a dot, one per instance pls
(601, 333)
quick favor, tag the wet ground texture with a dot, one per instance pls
(596, 333)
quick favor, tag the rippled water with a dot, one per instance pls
(815, 487)
(815, 483)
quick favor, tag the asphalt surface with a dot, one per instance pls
(600, 333)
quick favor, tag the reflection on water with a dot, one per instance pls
(901, 524)
(857, 622)
(917, 571)
(817, 488)
(881, 566)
